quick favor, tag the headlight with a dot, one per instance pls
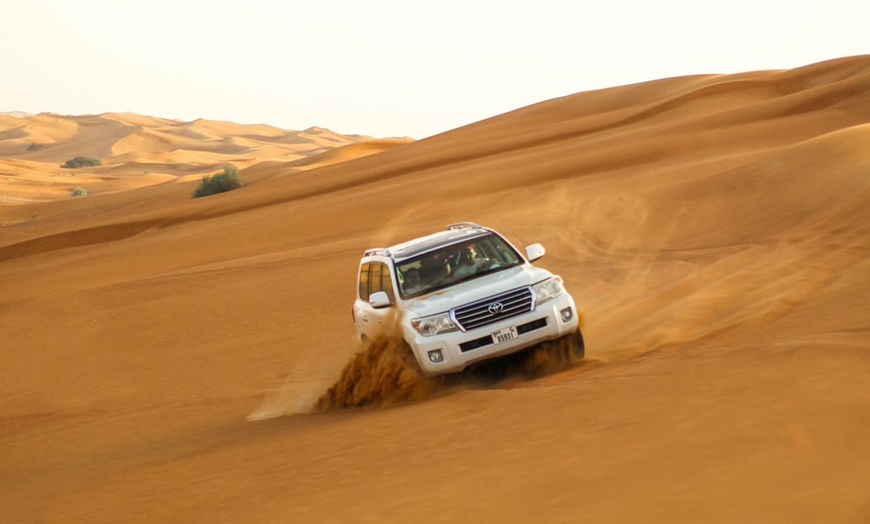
(434, 325)
(548, 289)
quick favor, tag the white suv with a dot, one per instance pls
(462, 296)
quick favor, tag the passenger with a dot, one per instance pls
(412, 283)
(433, 270)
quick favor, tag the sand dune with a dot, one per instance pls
(137, 151)
(714, 229)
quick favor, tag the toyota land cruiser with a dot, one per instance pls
(462, 296)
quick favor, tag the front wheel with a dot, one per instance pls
(571, 347)
(556, 355)
(576, 346)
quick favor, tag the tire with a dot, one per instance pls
(555, 355)
(571, 348)
(578, 346)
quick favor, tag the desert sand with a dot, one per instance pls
(714, 230)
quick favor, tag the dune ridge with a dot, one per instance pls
(139, 151)
(714, 230)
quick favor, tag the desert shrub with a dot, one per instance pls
(79, 191)
(227, 180)
(34, 146)
(81, 161)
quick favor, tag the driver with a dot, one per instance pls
(466, 264)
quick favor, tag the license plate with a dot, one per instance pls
(503, 335)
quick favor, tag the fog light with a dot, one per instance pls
(436, 357)
(567, 314)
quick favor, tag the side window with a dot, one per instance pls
(374, 277)
(364, 282)
(387, 282)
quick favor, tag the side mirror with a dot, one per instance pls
(534, 252)
(379, 300)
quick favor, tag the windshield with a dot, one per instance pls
(453, 264)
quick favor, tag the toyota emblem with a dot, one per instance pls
(495, 309)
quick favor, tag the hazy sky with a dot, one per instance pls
(388, 68)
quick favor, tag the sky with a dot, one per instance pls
(388, 68)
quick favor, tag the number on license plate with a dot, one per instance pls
(503, 335)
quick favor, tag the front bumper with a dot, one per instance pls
(459, 350)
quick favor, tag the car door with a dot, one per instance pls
(370, 321)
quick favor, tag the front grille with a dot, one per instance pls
(494, 308)
(487, 340)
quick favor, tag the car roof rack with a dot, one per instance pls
(377, 252)
(463, 225)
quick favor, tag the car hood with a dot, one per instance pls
(473, 290)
